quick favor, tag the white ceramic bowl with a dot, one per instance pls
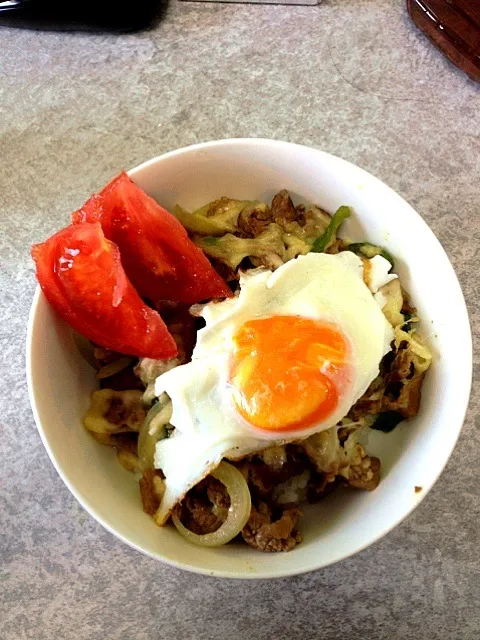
(412, 456)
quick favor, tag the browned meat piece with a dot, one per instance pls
(229, 275)
(301, 215)
(217, 494)
(274, 457)
(325, 453)
(104, 356)
(336, 246)
(407, 402)
(121, 413)
(406, 306)
(402, 384)
(282, 208)
(398, 388)
(262, 533)
(254, 219)
(150, 498)
(198, 517)
(402, 366)
(122, 381)
(370, 402)
(366, 474)
(320, 486)
(261, 479)
(271, 261)
(124, 442)
(181, 325)
(264, 472)
(338, 462)
(205, 507)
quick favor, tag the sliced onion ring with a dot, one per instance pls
(114, 367)
(238, 513)
(152, 430)
(85, 348)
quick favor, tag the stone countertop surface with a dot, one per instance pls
(353, 77)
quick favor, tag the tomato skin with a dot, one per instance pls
(157, 254)
(82, 277)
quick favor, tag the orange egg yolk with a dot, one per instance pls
(286, 371)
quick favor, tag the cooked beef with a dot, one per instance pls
(122, 413)
(282, 208)
(254, 219)
(266, 532)
(150, 490)
(122, 381)
(274, 457)
(407, 396)
(403, 384)
(402, 366)
(301, 215)
(227, 273)
(398, 388)
(320, 486)
(125, 442)
(406, 306)
(181, 325)
(205, 507)
(370, 402)
(366, 474)
(336, 246)
(266, 471)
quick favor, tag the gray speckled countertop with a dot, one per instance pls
(352, 77)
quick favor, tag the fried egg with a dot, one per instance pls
(286, 358)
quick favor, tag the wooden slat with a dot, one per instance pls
(454, 27)
(470, 9)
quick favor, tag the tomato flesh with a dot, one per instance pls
(157, 254)
(81, 275)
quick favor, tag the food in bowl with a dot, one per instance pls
(243, 351)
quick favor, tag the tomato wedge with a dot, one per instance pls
(157, 254)
(82, 277)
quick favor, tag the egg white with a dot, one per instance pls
(207, 425)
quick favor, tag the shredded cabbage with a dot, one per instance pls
(232, 250)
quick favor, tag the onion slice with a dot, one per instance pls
(110, 369)
(238, 513)
(85, 348)
(152, 430)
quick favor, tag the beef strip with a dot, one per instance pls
(122, 381)
(205, 507)
(253, 220)
(230, 276)
(181, 325)
(398, 388)
(265, 532)
(282, 208)
(149, 490)
(337, 245)
(406, 400)
(365, 475)
(122, 414)
(320, 486)
(370, 402)
(264, 472)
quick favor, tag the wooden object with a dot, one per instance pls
(454, 27)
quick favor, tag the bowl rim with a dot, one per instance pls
(261, 575)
